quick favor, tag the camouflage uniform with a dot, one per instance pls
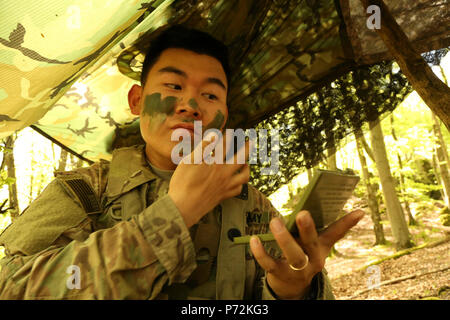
(129, 241)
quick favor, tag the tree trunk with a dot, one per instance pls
(394, 209)
(331, 159)
(32, 182)
(442, 159)
(77, 161)
(12, 187)
(437, 175)
(309, 171)
(431, 89)
(371, 193)
(411, 220)
(366, 146)
(40, 185)
(62, 160)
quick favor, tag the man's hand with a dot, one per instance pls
(307, 253)
(197, 188)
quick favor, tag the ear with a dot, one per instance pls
(134, 99)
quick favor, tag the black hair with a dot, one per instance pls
(181, 37)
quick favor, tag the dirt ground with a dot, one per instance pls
(350, 278)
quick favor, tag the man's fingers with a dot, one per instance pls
(241, 177)
(224, 151)
(202, 150)
(208, 145)
(338, 229)
(309, 239)
(241, 156)
(259, 253)
(292, 251)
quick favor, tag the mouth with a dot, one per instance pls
(187, 126)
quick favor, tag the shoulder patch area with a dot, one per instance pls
(81, 191)
(47, 217)
(95, 175)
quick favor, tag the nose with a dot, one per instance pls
(189, 108)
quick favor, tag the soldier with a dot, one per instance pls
(144, 227)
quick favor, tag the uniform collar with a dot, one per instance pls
(162, 174)
(128, 169)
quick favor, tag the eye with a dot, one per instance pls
(210, 96)
(173, 86)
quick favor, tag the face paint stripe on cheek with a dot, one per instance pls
(168, 105)
(153, 104)
(217, 122)
(158, 109)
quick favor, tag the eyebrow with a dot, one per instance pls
(179, 72)
(173, 70)
(216, 81)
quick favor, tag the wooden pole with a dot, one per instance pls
(431, 89)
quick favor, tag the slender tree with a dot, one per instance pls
(442, 159)
(76, 162)
(394, 209)
(32, 175)
(309, 171)
(437, 175)
(8, 154)
(62, 160)
(371, 192)
(411, 220)
(365, 145)
(440, 147)
(331, 158)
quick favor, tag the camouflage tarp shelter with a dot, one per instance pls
(59, 69)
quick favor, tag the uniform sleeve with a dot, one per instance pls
(320, 289)
(132, 260)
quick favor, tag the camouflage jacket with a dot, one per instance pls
(125, 239)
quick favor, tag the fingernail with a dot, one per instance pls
(254, 241)
(304, 219)
(277, 225)
(360, 215)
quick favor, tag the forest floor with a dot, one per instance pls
(421, 274)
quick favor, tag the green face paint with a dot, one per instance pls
(193, 103)
(158, 109)
(217, 122)
(153, 104)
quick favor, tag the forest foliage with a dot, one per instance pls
(415, 144)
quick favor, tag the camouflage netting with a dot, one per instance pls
(374, 90)
(434, 57)
(59, 62)
(324, 118)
